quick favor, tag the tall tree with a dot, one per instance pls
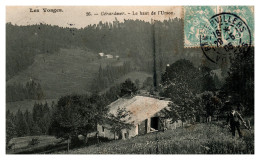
(44, 122)
(10, 126)
(29, 120)
(180, 83)
(240, 81)
(128, 88)
(22, 128)
(77, 114)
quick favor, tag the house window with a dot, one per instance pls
(103, 129)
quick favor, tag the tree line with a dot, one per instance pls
(70, 116)
(19, 92)
(108, 75)
(29, 123)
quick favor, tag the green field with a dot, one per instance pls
(194, 139)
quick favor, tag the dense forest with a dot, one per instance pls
(108, 75)
(131, 38)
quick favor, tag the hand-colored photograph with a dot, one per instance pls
(130, 80)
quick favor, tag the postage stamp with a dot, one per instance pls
(197, 18)
(226, 31)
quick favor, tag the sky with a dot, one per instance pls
(76, 15)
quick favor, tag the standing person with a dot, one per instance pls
(234, 118)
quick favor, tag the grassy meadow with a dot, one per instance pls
(61, 73)
(195, 139)
(22, 144)
(64, 72)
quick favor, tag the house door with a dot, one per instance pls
(142, 127)
(155, 123)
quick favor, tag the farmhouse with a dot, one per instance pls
(101, 54)
(146, 115)
(109, 56)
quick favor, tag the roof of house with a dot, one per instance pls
(101, 54)
(140, 107)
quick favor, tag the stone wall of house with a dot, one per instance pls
(105, 132)
(142, 128)
(139, 129)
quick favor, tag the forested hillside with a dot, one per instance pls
(50, 54)
(129, 39)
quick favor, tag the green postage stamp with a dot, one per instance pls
(238, 20)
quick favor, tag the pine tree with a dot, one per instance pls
(45, 119)
(128, 88)
(240, 82)
(10, 127)
(22, 128)
(29, 120)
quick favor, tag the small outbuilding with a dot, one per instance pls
(101, 54)
(109, 56)
(145, 114)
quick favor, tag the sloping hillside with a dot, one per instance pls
(65, 72)
(195, 139)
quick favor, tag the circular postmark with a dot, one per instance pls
(224, 36)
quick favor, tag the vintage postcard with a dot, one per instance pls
(130, 80)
